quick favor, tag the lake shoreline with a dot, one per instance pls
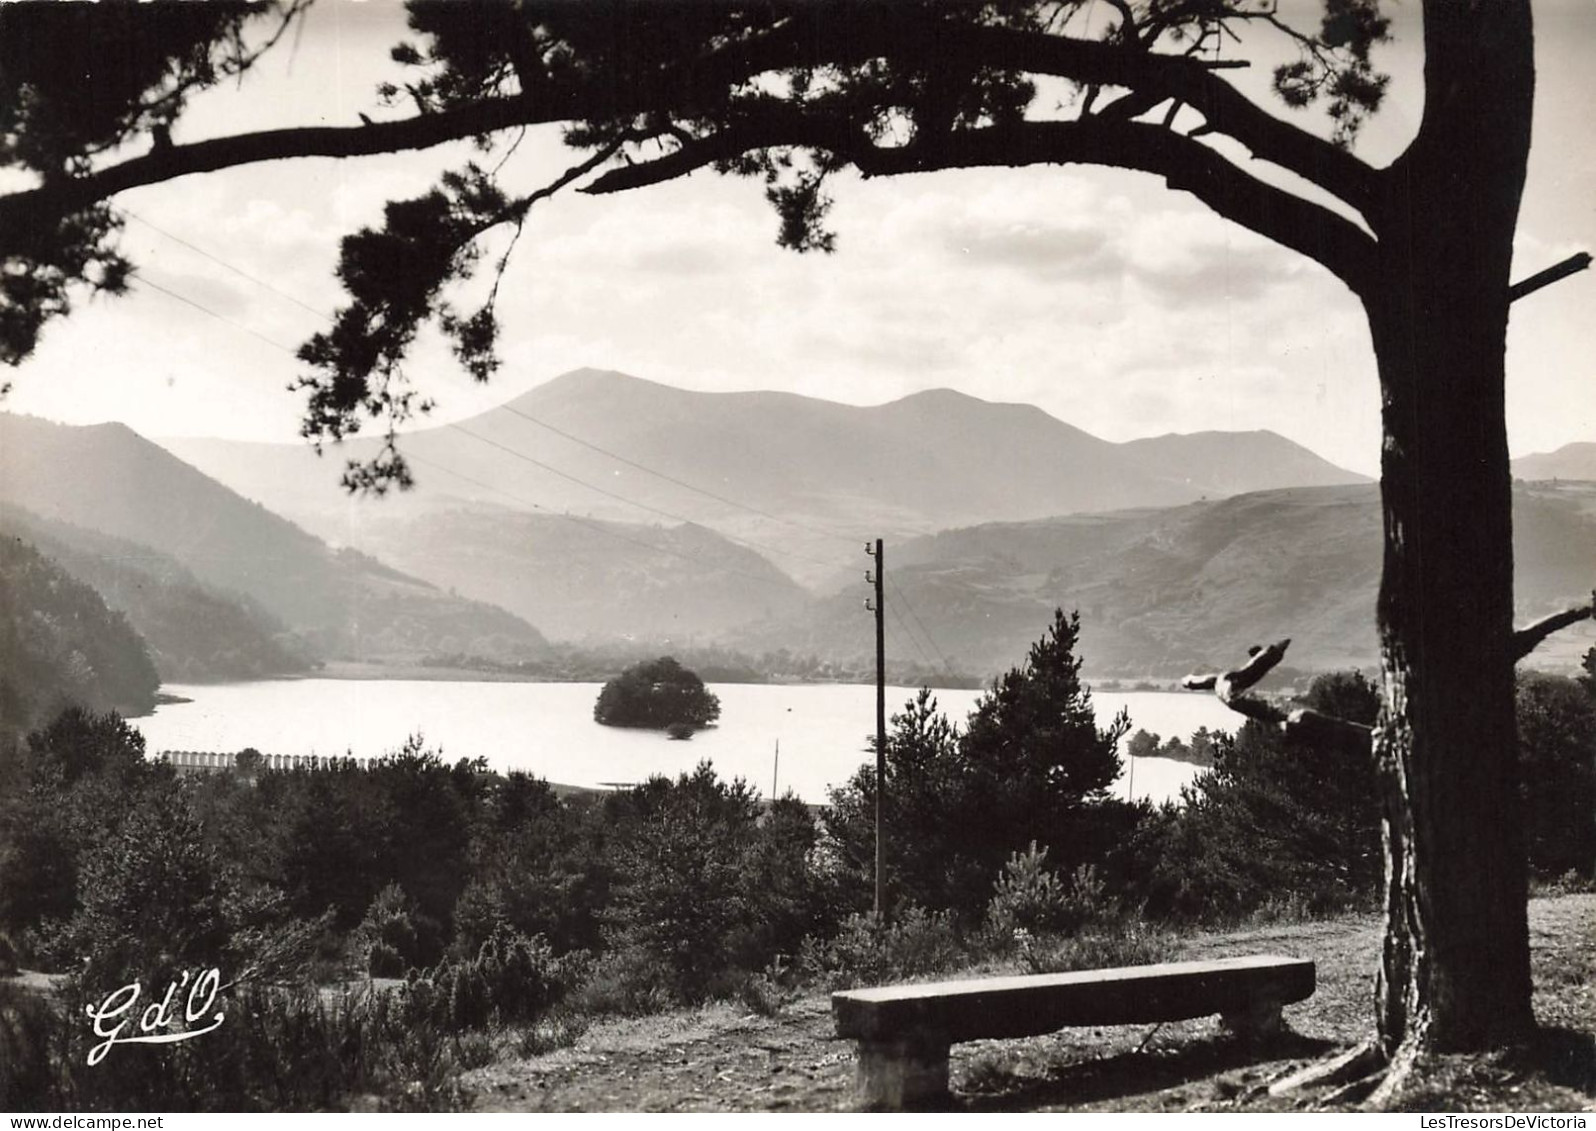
(367, 670)
(823, 731)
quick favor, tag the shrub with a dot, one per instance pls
(387, 935)
(278, 1050)
(1125, 944)
(769, 991)
(629, 982)
(479, 915)
(26, 1035)
(383, 961)
(1029, 895)
(512, 979)
(1557, 740)
(865, 952)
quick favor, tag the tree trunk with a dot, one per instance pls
(1455, 969)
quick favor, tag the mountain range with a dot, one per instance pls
(787, 475)
(607, 510)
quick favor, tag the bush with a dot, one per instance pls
(1275, 818)
(383, 961)
(629, 982)
(1557, 742)
(865, 952)
(1029, 896)
(512, 979)
(1125, 944)
(768, 992)
(681, 853)
(387, 935)
(278, 1050)
(26, 1034)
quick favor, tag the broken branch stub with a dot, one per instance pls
(1305, 723)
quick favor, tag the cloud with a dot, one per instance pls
(1216, 276)
(1045, 251)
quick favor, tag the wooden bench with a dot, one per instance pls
(904, 1032)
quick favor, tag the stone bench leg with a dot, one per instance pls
(1259, 1018)
(903, 1072)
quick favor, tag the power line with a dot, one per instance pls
(535, 462)
(223, 263)
(913, 642)
(813, 529)
(599, 527)
(154, 286)
(828, 532)
(587, 523)
(746, 542)
(202, 308)
(931, 640)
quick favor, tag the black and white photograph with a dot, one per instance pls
(797, 556)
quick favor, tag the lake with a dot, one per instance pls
(547, 729)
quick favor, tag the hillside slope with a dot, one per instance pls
(61, 645)
(578, 577)
(1571, 461)
(1165, 592)
(108, 479)
(196, 633)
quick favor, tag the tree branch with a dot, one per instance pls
(778, 125)
(1527, 639)
(1231, 689)
(62, 197)
(1192, 81)
(810, 35)
(1301, 225)
(1287, 219)
(1555, 273)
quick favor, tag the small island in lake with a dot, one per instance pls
(658, 694)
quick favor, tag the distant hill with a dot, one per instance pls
(195, 632)
(60, 645)
(1219, 464)
(1571, 461)
(803, 475)
(108, 479)
(1164, 592)
(578, 578)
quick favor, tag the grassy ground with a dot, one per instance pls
(723, 1058)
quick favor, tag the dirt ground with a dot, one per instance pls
(723, 1058)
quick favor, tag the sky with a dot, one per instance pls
(1113, 303)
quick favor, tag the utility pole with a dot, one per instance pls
(880, 609)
